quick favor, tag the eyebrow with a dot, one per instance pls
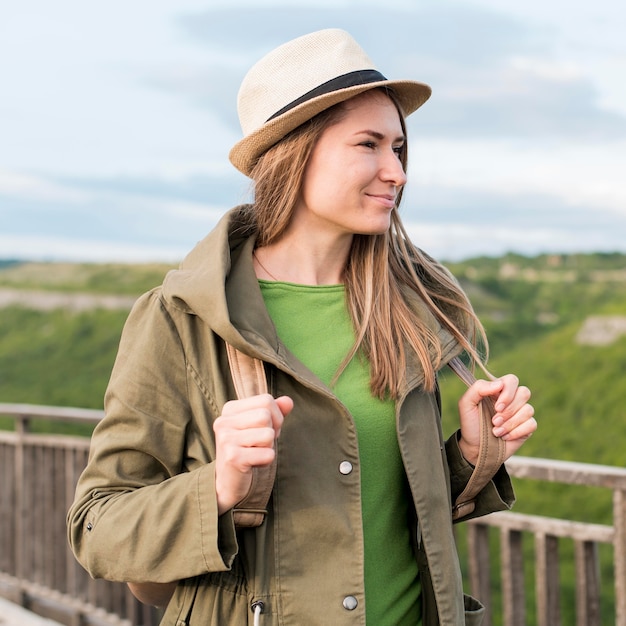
(379, 136)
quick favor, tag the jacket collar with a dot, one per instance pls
(216, 282)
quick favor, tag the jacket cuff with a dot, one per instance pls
(217, 533)
(497, 495)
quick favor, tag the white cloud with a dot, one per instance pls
(30, 187)
(458, 241)
(77, 99)
(547, 69)
(574, 174)
(117, 117)
(47, 248)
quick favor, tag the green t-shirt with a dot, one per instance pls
(313, 322)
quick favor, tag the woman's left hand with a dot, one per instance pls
(514, 419)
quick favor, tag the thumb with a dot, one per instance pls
(285, 404)
(479, 390)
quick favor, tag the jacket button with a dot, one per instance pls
(345, 467)
(350, 603)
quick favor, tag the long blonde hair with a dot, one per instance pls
(381, 273)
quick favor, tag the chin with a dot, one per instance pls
(376, 229)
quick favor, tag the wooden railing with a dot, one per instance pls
(38, 475)
(546, 534)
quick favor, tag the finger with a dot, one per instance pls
(247, 438)
(522, 396)
(263, 406)
(285, 405)
(243, 459)
(521, 417)
(251, 419)
(517, 440)
(477, 391)
(510, 385)
(233, 407)
(518, 407)
(522, 432)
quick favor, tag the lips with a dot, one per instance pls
(388, 200)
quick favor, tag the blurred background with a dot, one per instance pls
(116, 120)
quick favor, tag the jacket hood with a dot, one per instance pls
(216, 282)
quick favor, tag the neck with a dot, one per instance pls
(307, 262)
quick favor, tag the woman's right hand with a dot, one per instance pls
(244, 438)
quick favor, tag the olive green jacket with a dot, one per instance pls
(145, 507)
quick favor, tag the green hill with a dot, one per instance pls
(534, 310)
(559, 323)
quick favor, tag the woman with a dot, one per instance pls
(318, 280)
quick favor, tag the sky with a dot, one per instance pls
(116, 119)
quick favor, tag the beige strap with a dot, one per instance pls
(249, 379)
(491, 450)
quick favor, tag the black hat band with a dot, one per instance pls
(351, 79)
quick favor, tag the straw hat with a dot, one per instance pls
(301, 78)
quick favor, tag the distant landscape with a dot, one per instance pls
(558, 322)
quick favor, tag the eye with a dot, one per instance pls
(368, 144)
(399, 149)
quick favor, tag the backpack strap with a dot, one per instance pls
(249, 379)
(491, 450)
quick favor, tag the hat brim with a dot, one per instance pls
(245, 153)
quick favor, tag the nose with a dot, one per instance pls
(392, 170)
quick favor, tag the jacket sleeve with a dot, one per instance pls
(497, 495)
(140, 514)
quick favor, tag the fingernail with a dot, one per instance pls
(498, 432)
(498, 421)
(500, 406)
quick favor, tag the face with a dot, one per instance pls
(354, 173)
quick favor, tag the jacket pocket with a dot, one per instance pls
(474, 611)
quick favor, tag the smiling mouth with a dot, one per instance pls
(388, 200)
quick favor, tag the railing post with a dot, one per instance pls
(512, 573)
(21, 429)
(479, 567)
(619, 554)
(587, 584)
(547, 582)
